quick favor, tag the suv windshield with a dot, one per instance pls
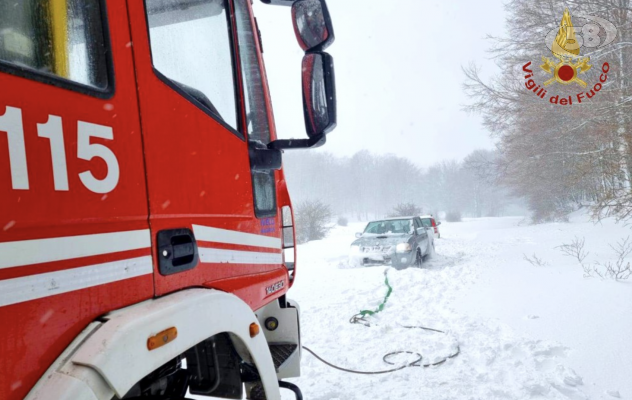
(396, 227)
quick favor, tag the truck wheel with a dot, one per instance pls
(213, 368)
(257, 393)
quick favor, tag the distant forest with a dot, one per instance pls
(368, 186)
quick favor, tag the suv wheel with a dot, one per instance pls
(431, 251)
(418, 259)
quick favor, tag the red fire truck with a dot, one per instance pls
(146, 231)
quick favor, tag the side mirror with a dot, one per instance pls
(319, 102)
(319, 94)
(312, 25)
(314, 32)
(358, 235)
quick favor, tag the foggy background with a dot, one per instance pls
(408, 73)
(398, 70)
(402, 135)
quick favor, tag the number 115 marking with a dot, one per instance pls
(12, 123)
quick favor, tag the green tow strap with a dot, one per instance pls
(361, 316)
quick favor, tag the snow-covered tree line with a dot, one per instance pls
(561, 157)
(368, 186)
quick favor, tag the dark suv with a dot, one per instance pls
(400, 242)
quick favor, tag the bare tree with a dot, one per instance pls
(560, 158)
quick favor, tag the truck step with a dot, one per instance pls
(281, 352)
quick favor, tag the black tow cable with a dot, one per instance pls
(416, 363)
(361, 318)
(388, 371)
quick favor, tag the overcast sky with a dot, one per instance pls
(398, 70)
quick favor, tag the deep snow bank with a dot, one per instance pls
(525, 332)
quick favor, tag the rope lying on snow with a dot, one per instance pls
(361, 318)
(388, 371)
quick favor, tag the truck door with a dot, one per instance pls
(74, 234)
(195, 128)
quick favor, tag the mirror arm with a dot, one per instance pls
(262, 158)
(293, 144)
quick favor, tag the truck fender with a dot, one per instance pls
(111, 356)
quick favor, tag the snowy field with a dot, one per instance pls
(525, 331)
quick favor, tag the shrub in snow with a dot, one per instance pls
(312, 221)
(575, 249)
(619, 270)
(534, 260)
(549, 211)
(342, 221)
(405, 210)
(453, 216)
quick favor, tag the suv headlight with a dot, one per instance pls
(404, 248)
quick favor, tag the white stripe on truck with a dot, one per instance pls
(28, 252)
(37, 251)
(32, 287)
(207, 234)
(219, 256)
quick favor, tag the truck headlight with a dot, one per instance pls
(404, 248)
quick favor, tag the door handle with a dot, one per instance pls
(182, 251)
(177, 251)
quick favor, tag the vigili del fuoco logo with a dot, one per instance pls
(567, 66)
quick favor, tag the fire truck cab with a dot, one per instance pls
(146, 230)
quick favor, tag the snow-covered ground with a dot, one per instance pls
(525, 331)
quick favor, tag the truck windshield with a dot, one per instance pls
(191, 46)
(256, 110)
(254, 97)
(63, 38)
